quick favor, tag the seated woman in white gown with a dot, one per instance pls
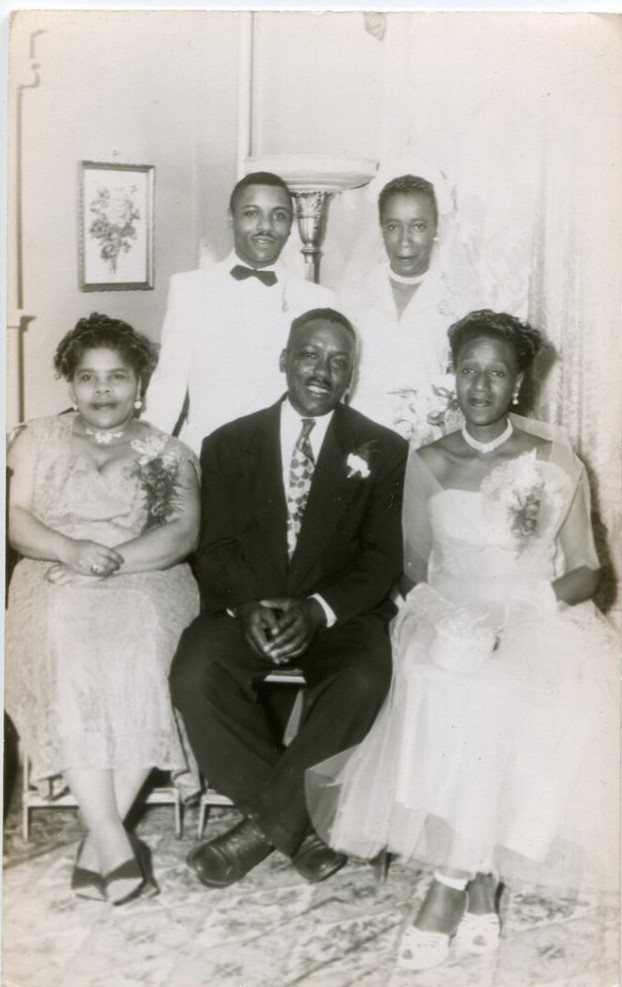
(495, 754)
(402, 308)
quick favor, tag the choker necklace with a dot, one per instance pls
(487, 446)
(103, 438)
(401, 279)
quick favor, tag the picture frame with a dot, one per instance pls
(116, 227)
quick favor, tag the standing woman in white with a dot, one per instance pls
(402, 309)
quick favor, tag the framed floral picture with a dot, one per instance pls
(116, 227)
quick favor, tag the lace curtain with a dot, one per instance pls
(521, 112)
(576, 273)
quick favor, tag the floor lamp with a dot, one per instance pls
(313, 181)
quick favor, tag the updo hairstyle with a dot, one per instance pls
(102, 332)
(523, 338)
(407, 185)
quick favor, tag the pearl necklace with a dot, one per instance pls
(103, 438)
(488, 446)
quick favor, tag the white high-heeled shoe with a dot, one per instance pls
(419, 950)
(479, 934)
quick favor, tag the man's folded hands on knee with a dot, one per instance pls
(280, 630)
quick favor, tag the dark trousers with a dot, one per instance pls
(213, 684)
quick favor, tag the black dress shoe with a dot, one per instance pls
(137, 868)
(87, 883)
(229, 857)
(315, 861)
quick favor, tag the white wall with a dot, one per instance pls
(318, 90)
(130, 87)
(160, 88)
(317, 85)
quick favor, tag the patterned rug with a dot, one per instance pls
(270, 930)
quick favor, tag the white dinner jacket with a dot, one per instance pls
(221, 342)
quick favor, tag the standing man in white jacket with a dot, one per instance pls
(229, 322)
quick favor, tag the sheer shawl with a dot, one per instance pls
(575, 536)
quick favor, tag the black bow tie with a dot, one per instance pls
(241, 273)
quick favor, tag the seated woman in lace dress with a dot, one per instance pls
(402, 308)
(495, 754)
(104, 509)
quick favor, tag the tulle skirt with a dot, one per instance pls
(509, 768)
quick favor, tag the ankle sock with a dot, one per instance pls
(457, 883)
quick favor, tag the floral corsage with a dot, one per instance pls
(518, 488)
(157, 476)
(525, 498)
(358, 461)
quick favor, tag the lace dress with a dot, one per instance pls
(86, 677)
(497, 747)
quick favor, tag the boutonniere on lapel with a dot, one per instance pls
(358, 461)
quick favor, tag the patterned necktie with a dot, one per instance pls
(241, 273)
(300, 474)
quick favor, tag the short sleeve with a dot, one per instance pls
(166, 473)
(576, 537)
(38, 435)
(183, 454)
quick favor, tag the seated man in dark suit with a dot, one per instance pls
(301, 544)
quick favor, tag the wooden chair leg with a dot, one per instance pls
(25, 806)
(25, 822)
(295, 717)
(31, 799)
(179, 823)
(380, 865)
(203, 814)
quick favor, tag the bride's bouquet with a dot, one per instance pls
(462, 637)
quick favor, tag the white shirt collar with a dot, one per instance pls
(291, 424)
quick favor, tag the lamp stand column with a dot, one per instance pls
(311, 211)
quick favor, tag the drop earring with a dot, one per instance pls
(138, 403)
(515, 399)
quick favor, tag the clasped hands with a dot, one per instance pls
(84, 561)
(281, 629)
